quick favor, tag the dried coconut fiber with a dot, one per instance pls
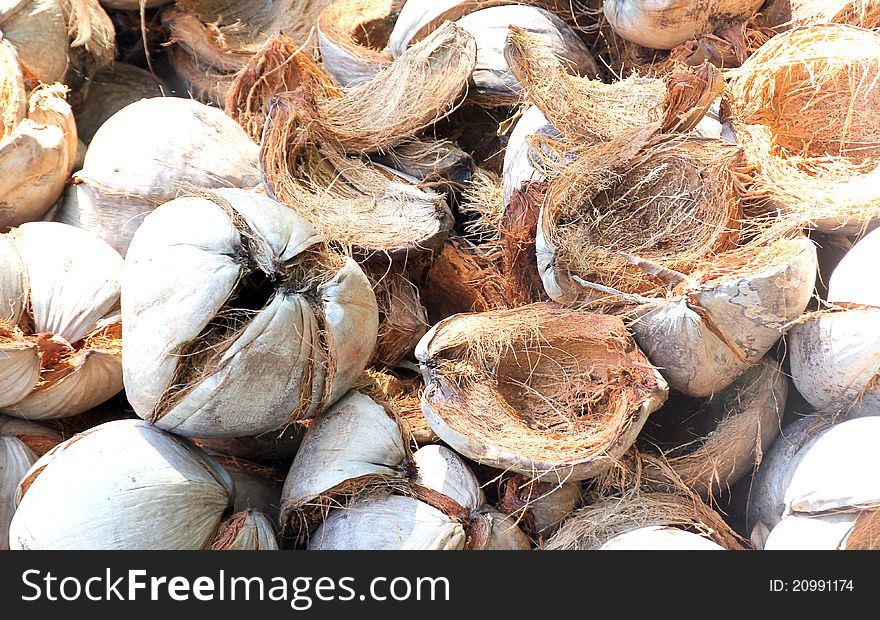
(784, 14)
(805, 108)
(548, 392)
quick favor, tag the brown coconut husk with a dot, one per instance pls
(804, 109)
(540, 389)
(586, 110)
(464, 277)
(785, 14)
(13, 96)
(402, 318)
(399, 391)
(591, 526)
(865, 534)
(437, 162)
(642, 198)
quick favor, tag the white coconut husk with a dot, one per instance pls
(61, 341)
(181, 144)
(121, 485)
(834, 360)
(109, 91)
(398, 391)
(38, 141)
(502, 533)
(248, 530)
(353, 446)
(38, 438)
(519, 167)
(440, 469)
(766, 503)
(539, 507)
(816, 532)
(540, 390)
(216, 38)
(596, 524)
(710, 445)
(785, 14)
(493, 82)
(237, 320)
(16, 460)
(52, 36)
(353, 38)
(654, 538)
(665, 24)
(803, 108)
(851, 282)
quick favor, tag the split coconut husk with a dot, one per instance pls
(785, 14)
(587, 110)
(38, 438)
(402, 318)
(181, 144)
(804, 109)
(832, 495)
(538, 507)
(548, 392)
(61, 339)
(121, 485)
(444, 509)
(596, 525)
(354, 446)
(237, 319)
(438, 162)
(834, 359)
(709, 444)
(766, 504)
(248, 530)
(399, 390)
(53, 36)
(38, 142)
(214, 39)
(109, 91)
(353, 38)
(16, 459)
(668, 23)
(493, 82)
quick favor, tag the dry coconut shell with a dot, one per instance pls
(16, 460)
(353, 38)
(587, 110)
(248, 530)
(493, 82)
(236, 318)
(60, 338)
(214, 39)
(353, 446)
(711, 443)
(792, 13)
(121, 485)
(541, 390)
(804, 109)
(538, 507)
(834, 359)
(52, 36)
(109, 91)
(402, 318)
(667, 23)
(39, 439)
(597, 524)
(181, 144)
(399, 390)
(766, 504)
(38, 142)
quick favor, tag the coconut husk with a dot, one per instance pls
(710, 445)
(538, 507)
(593, 525)
(431, 161)
(38, 438)
(257, 487)
(465, 278)
(669, 201)
(402, 318)
(803, 107)
(275, 447)
(353, 38)
(587, 110)
(109, 91)
(540, 390)
(16, 459)
(247, 530)
(865, 533)
(399, 391)
(786, 14)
